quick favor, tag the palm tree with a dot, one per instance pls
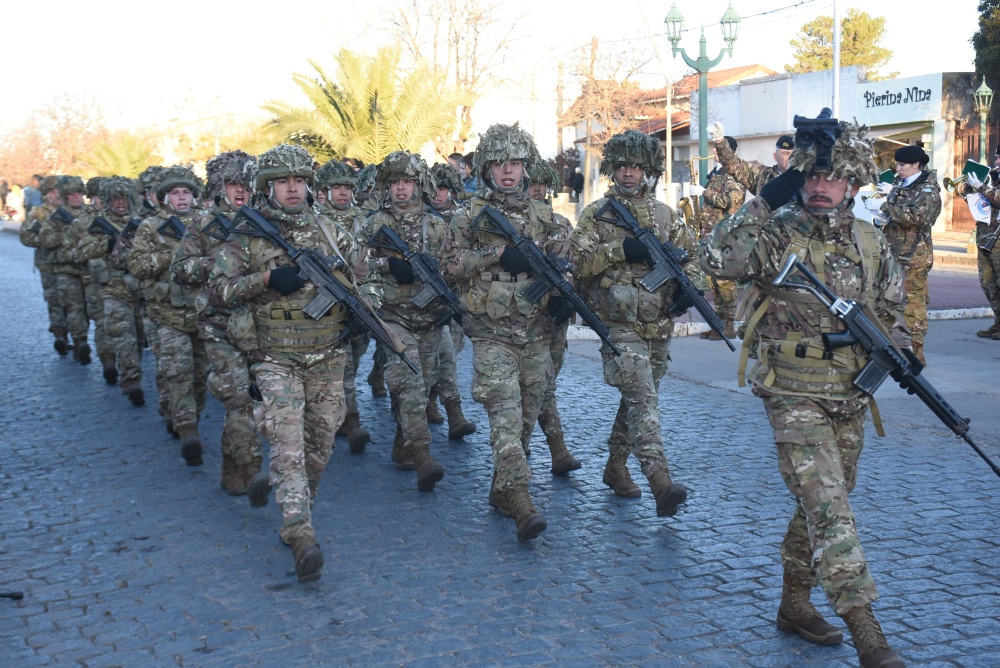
(370, 110)
(124, 154)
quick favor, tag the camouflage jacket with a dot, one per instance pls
(722, 198)
(424, 232)
(750, 175)
(149, 261)
(351, 219)
(786, 339)
(51, 236)
(191, 265)
(912, 214)
(448, 212)
(30, 228)
(92, 249)
(236, 281)
(611, 283)
(992, 195)
(490, 296)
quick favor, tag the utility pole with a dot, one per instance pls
(587, 186)
(559, 110)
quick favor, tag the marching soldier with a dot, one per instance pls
(989, 260)
(611, 263)
(30, 228)
(817, 413)
(750, 175)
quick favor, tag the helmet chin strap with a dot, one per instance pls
(634, 191)
(521, 187)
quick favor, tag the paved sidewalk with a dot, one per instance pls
(127, 557)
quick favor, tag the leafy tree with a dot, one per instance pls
(369, 110)
(860, 35)
(986, 41)
(124, 154)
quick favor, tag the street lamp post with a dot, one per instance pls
(730, 23)
(984, 100)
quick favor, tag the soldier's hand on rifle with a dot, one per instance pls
(915, 366)
(560, 309)
(401, 271)
(682, 302)
(285, 280)
(716, 131)
(355, 326)
(636, 251)
(782, 188)
(513, 261)
(111, 243)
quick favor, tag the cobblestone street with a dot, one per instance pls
(128, 557)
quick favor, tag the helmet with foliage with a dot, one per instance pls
(149, 179)
(119, 186)
(49, 183)
(446, 176)
(336, 173)
(70, 184)
(542, 172)
(230, 167)
(403, 165)
(851, 156)
(633, 148)
(282, 162)
(94, 186)
(502, 143)
(366, 177)
(177, 176)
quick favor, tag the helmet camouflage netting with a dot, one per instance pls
(501, 143)
(446, 176)
(49, 183)
(94, 186)
(852, 156)
(230, 167)
(177, 176)
(403, 165)
(543, 173)
(70, 184)
(632, 148)
(336, 173)
(119, 186)
(150, 178)
(366, 177)
(282, 162)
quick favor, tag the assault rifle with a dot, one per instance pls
(172, 227)
(884, 357)
(218, 228)
(322, 272)
(130, 227)
(667, 261)
(426, 269)
(63, 216)
(547, 268)
(102, 226)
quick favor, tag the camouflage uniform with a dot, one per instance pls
(182, 359)
(911, 215)
(639, 322)
(229, 373)
(91, 288)
(510, 335)
(417, 328)
(750, 175)
(50, 292)
(989, 261)
(722, 198)
(816, 412)
(297, 363)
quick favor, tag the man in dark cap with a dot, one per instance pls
(750, 175)
(912, 204)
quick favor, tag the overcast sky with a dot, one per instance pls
(150, 62)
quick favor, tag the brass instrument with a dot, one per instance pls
(690, 207)
(952, 184)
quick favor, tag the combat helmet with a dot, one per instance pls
(633, 148)
(402, 165)
(94, 186)
(446, 176)
(49, 183)
(119, 186)
(501, 143)
(284, 161)
(366, 178)
(177, 176)
(336, 173)
(542, 172)
(149, 179)
(230, 167)
(71, 184)
(851, 156)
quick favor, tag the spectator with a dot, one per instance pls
(32, 195)
(577, 185)
(4, 191)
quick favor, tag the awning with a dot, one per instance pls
(889, 133)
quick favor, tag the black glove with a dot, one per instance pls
(285, 280)
(254, 392)
(513, 261)
(916, 366)
(111, 243)
(636, 251)
(401, 271)
(682, 302)
(782, 188)
(355, 327)
(560, 309)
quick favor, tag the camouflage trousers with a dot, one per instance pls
(355, 351)
(724, 295)
(410, 390)
(301, 409)
(95, 312)
(74, 303)
(510, 381)
(50, 292)
(818, 444)
(636, 374)
(915, 286)
(184, 366)
(548, 414)
(989, 277)
(153, 338)
(119, 326)
(229, 380)
(447, 385)
(457, 337)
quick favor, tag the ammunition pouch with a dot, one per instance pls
(283, 327)
(805, 367)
